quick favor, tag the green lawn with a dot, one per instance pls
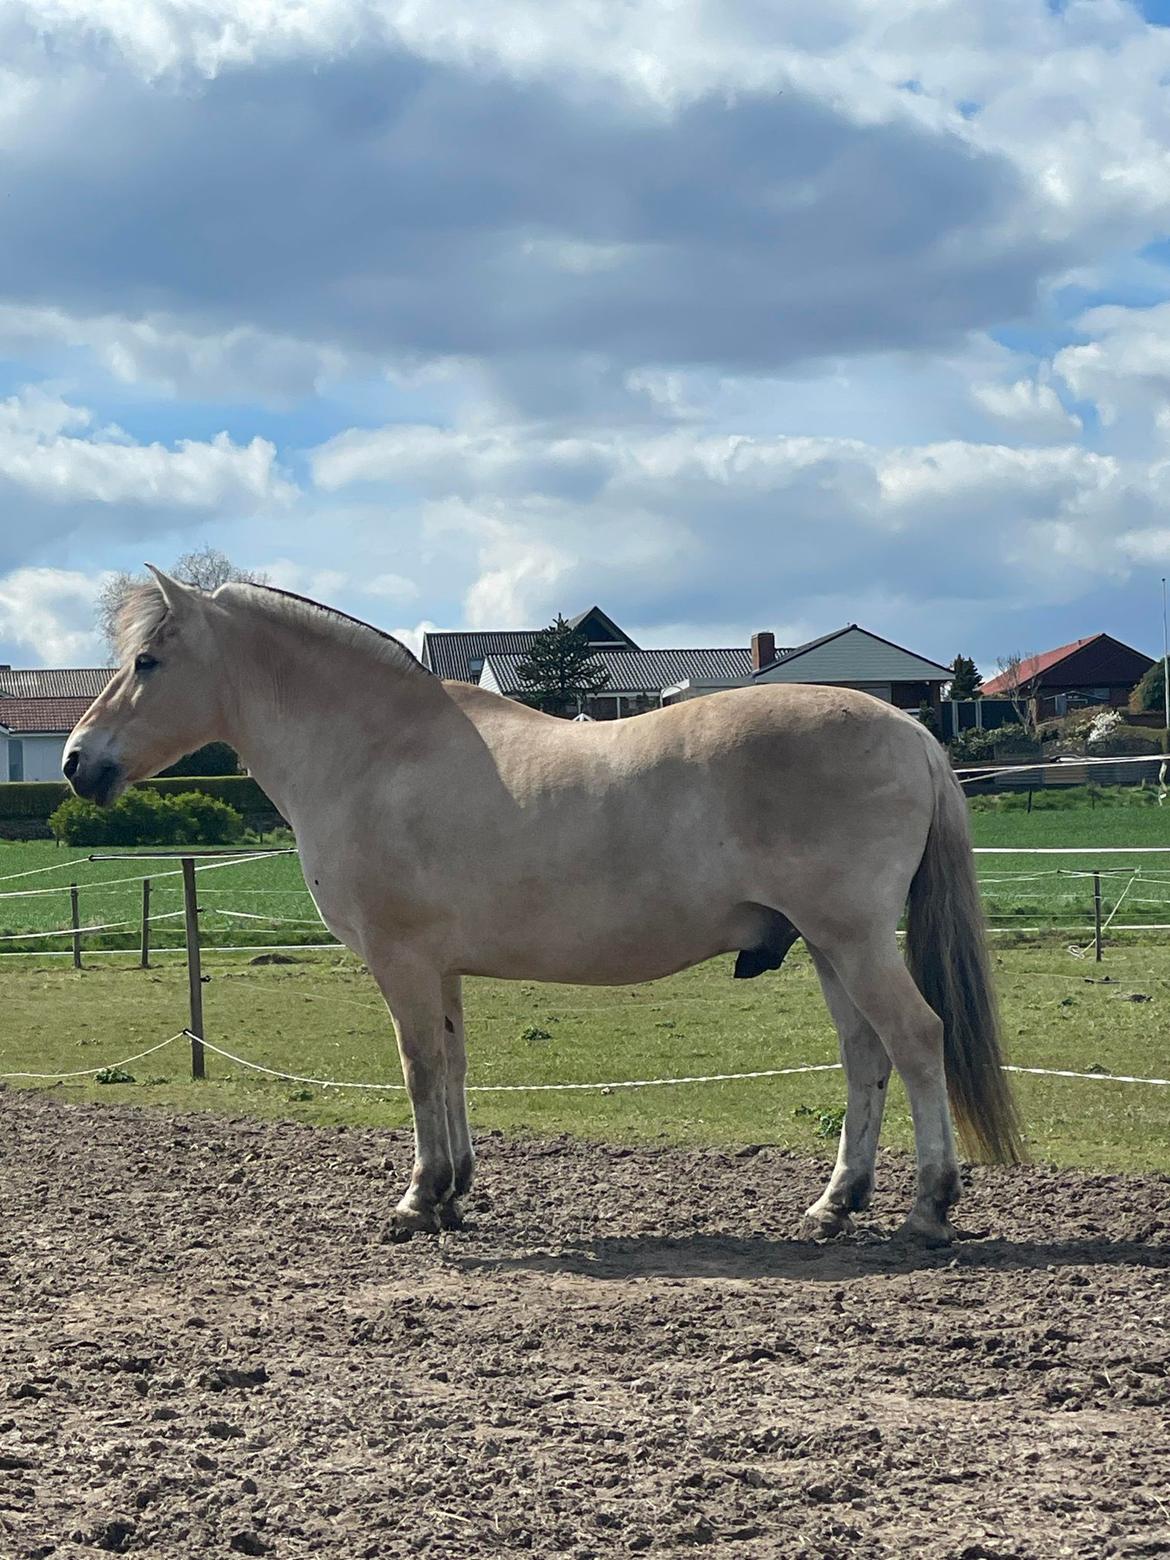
(322, 1017)
(267, 900)
(1057, 891)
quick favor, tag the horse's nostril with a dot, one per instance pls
(70, 766)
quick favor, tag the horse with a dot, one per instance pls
(446, 831)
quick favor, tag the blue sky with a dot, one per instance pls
(727, 317)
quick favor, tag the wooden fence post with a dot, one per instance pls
(145, 958)
(1097, 914)
(75, 917)
(194, 968)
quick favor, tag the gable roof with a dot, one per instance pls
(43, 682)
(600, 629)
(41, 717)
(852, 655)
(1033, 667)
(450, 653)
(635, 671)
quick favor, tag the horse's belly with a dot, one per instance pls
(602, 953)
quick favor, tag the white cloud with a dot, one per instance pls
(1125, 367)
(412, 638)
(1030, 407)
(241, 363)
(49, 614)
(393, 587)
(317, 583)
(671, 527)
(49, 449)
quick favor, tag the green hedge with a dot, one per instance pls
(144, 817)
(41, 798)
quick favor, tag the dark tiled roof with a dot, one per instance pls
(643, 671)
(69, 682)
(47, 716)
(451, 655)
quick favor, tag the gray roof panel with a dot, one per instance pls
(641, 671)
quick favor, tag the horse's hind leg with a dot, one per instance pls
(867, 1072)
(458, 1126)
(874, 975)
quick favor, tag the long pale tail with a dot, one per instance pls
(947, 954)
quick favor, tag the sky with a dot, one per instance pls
(724, 315)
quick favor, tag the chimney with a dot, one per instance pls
(763, 650)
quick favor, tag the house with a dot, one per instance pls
(850, 657)
(38, 709)
(1096, 670)
(642, 679)
(637, 677)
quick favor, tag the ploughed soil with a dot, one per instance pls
(208, 1348)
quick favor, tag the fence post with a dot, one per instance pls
(1097, 914)
(75, 917)
(194, 967)
(145, 959)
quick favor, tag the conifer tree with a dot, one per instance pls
(560, 671)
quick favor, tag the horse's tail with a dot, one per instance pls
(947, 953)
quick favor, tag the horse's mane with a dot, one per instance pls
(144, 609)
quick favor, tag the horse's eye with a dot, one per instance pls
(144, 663)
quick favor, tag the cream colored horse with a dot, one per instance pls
(446, 831)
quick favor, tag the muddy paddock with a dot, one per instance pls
(208, 1348)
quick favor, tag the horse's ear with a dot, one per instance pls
(173, 593)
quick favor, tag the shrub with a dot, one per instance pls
(41, 798)
(78, 823)
(144, 817)
(207, 821)
(978, 747)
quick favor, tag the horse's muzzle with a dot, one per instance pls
(96, 780)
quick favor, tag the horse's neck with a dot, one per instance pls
(300, 707)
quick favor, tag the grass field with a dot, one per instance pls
(265, 902)
(1055, 891)
(322, 1017)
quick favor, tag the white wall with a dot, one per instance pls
(42, 757)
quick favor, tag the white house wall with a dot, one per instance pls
(42, 756)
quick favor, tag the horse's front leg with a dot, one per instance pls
(414, 996)
(458, 1126)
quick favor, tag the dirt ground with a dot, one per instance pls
(208, 1348)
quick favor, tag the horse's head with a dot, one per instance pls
(162, 701)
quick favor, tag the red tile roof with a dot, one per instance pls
(1033, 666)
(48, 717)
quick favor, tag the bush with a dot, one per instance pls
(206, 820)
(979, 747)
(41, 798)
(143, 817)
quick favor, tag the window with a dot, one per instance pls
(475, 666)
(15, 758)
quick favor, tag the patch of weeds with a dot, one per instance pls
(828, 1122)
(533, 1034)
(113, 1075)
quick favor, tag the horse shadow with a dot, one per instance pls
(743, 1258)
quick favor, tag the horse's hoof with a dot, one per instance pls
(405, 1222)
(451, 1215)
(823, 1224)
(924, 1230)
